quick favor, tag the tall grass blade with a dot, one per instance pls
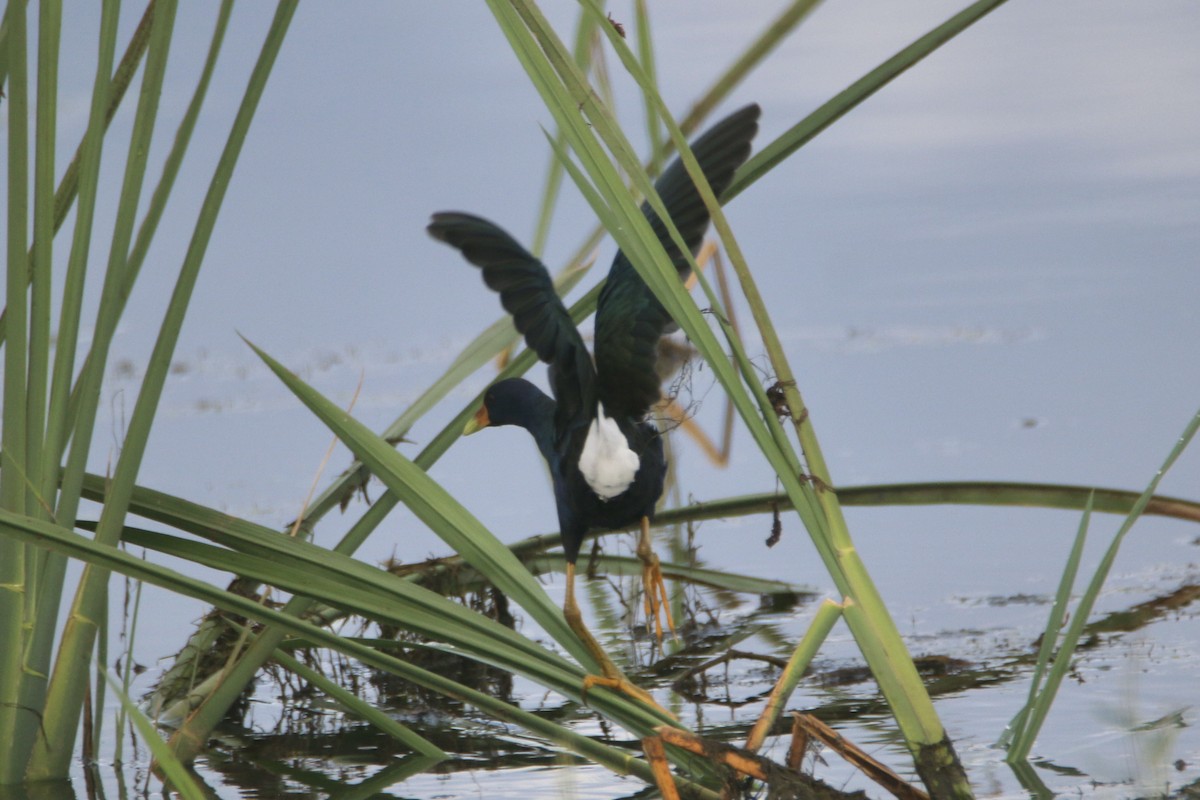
(51, 753)
(174, 773)
(1018, 729)
(41, 534)
(87, 170)
(17, 724)
(1070, 640)
(63, 696)
(483, 348)
(866, 613)
(478, 352)
(362, 709)
(38, 379)
(60, 420)
(645, 55)
(214, 707)
(822, 623)
(441, 512)
(69, 184)
(585, 35)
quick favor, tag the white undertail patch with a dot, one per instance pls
(607, 463)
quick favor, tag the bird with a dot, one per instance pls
(605, 457)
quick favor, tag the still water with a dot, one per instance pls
(987, 272)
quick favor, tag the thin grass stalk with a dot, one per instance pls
(162, 190)
(37, 388)
(624, 217)
(441, 512)
(295, 565)
(175, 776)
(461, 531)
(822, 623)
(599, 73)
(128, 671)
(17, 724)
(183, 137)
(645, 54)
(1070, 639)
(112, 518)
(646, 251)
(82, 407)
(68, 186)
(875, 630)
(51, 755)
(41, 534)
(879, 640)
(194, 731)
(584, 36)
(1010, 493)
(358, 707)
(87, 164)
(843, 102)
(225, 687)
(1015, 733)
(122, 79)
(332, 496)
(59, 422)
(96, 698)
(40, 620)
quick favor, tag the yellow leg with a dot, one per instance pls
(656, 754)
(654, 587)
(612, 677)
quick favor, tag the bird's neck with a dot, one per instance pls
(607, 462)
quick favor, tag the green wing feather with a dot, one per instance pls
(629, 318)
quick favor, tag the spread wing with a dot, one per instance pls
(527, 293)
(629, 319)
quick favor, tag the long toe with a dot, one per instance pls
(654, 588)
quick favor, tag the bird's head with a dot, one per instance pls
(514, 401)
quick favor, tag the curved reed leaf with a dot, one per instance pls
(35, 532)
(175, 775)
